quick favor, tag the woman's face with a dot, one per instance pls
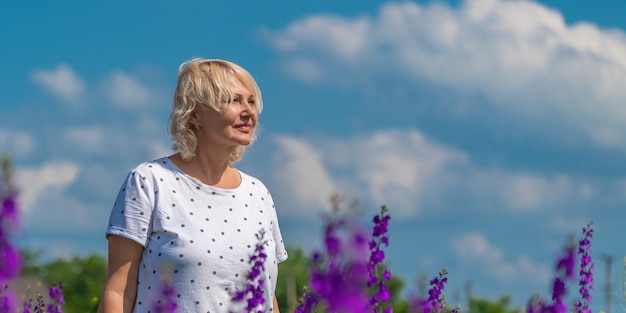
(235, 125)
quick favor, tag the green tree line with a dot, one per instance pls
(83, 278)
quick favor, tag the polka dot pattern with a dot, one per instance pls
(197, 235)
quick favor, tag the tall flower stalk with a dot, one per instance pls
(10, 260)
(56, 296)
(565, 272)
(252, 293)
(586, 270)
(435, 302)
(380, 237)
(339, 273)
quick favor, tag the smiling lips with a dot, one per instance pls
(244, 127)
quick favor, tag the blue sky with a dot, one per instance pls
(492, 129)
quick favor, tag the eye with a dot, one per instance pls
(252, 102)
(231, 100)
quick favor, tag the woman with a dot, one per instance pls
(191, 218)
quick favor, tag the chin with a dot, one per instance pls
(245, 142)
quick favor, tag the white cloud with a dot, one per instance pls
(306, 70)
(16, 143)
(88, 139)
(568, 224)
(50, 178)
(522, 191)
(346, 37)
(126, 91)
(398, 168)
(302, 176)
(62, 82)
(99, 140)
(410, 173)
(475, 249)
(526, 64)
(528, 191)
(49, 206)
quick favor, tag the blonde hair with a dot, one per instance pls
(203, 82)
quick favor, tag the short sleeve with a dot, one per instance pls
(281, 252)
(132, 211)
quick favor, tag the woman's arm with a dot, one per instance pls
(276, 310)
(120, 289)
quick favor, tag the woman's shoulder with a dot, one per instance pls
(149, 168)
(250, 180)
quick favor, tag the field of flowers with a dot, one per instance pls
(347, 274)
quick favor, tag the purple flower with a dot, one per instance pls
(340, 286)
(435, 301)
(56, 293)
(307, 303)
(9, 206)
(535, 305)
(39, 305)
(10, 260)
(332, 244)
(7, 301)
(386, 274)
(56, 299)
(586, 270)
(564, 272)
(567, 262)
(377, 256)
(339, 274)
(167, 302)
(252, 293)
(383, 294)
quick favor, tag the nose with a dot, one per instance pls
(251, 106)
(249, 112)
(249, 109)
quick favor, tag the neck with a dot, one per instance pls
(210, 166)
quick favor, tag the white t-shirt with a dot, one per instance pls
(198, 236)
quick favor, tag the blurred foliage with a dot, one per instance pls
(501, 305)
(293, 275)
(83, 278)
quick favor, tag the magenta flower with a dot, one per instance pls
(7, 302)
(435, 301)
(167, 301)
(564, 272)
(10, 259)
(586, 270)
(377, 256)
(536, 305)
(339, 274)
(39, 305)
(56, 297)
(307, 303)
(253, 291)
